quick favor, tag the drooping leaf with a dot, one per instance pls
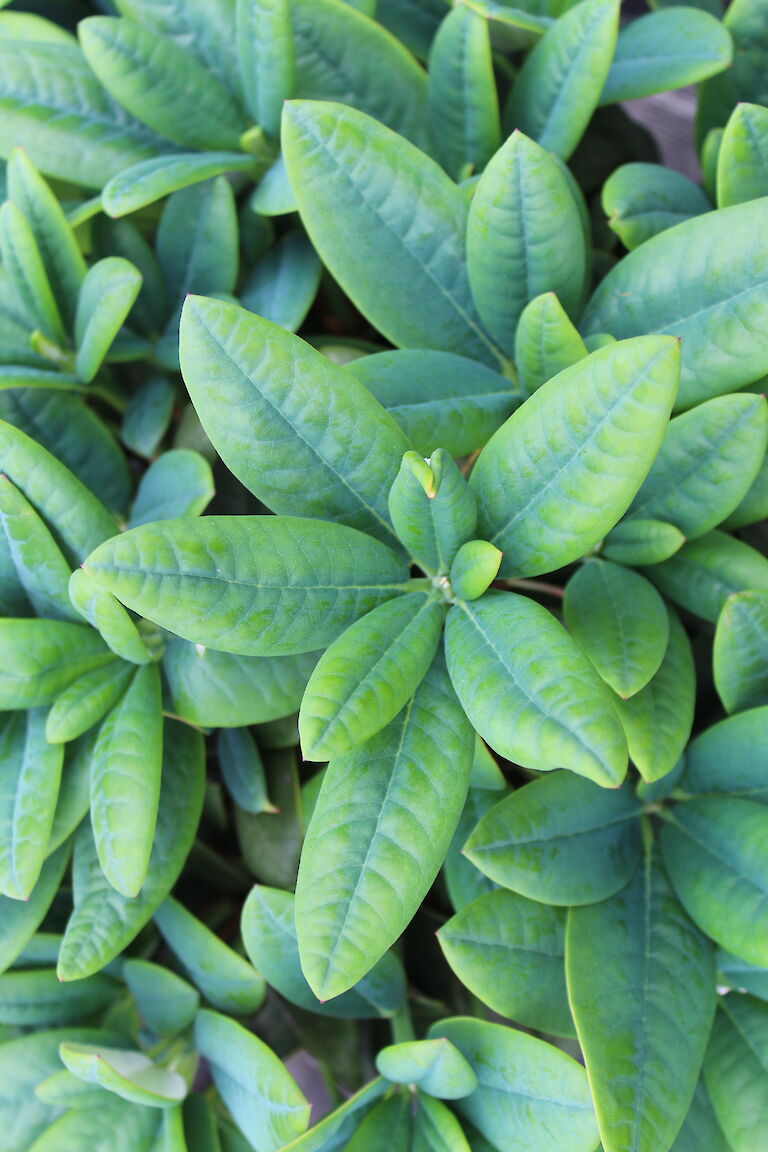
(641, 200)
(543, 715)
(560, 840)
(562, 470)
(739, 653)
(705, 572)
(736, 1070)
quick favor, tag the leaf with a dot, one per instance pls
(27, 273)
(103, 921)
(78, 520)
(735, 1070)
(700, 1129)
(86, 701)
(262, 1096)
(42, 657)
(560, 83)
(462, 879)
(754, 505)
(434, 1066)
(378, 75)
(125, 782)
(107, 295)
(40, 568)
(657, 720)
(462, 97)
(273, 195)
(29, 785)
(620, 623)
(334, 458)
(716, 853)
(74, 790)
(386, 222)
(335, 1129)
(641, 200)
(216, 689)
(269, 934)
(284, 282)
(707, 462)
(197, 241)
(743, 976)
(562, 470)
(718, 317)
(366, 676)
(108, 617)
(665, 50)
(438, 398)
(130, 1128)
(153, 78)
(741, 638)
(130, 1075)
(382, 825)
(543, 715)
(178, 483)
(512, 253)
(742, 163)
(546, 342)
(727, 758)
(165, 1002)
(474, 569)
(412, 21)
(509, 952)
(432, 509)
(560, 840)
(705, 572)
(63, 261)
(219, 580)
(639, 541)
(148, 415)
(35, 999)
(22, 918)
(204, 29)
(529, 1092)
(266, 58)
(71, 127)
(242, 770)
(150, 180)
(644, 1027)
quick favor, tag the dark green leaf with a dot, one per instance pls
(728, 758)
(705, 572)
(736, 1070)
(741, 641)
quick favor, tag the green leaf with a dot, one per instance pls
(438, 398)
(560, 83)
(349, 174)
(530, 1095)
(463, 103)
(462, 879)
(716, 853)
(509, 952)
(262, 1096)
(197, 242)
(378, 75)
(24, 265)
(284, 282)
(40, 568)
(707, 462)
(620, 623)
(87, 700)
(736, 1068)
(643, 1027)
(108, 617)
(148, 415)
(741, 639)
(513, 255)
(432, 509)
(700, 1129)
(474, 569)
(641, 200)
(754, 505)
(705, 572)
(151, 180)
(29, 785)
(562, 470)
(154, 79)
(546, 342)
(203, 28)
(178, 483)
(22, 918)
(216, 689)
(266, 58)
(41, 657)
(434, 1066)
(71, 127)
(107, 295)
(335, 457)
(125, 782)
(74, 790)
(78, 520)
(270, 842)
(366, 676)
(742, 164)
(657, 720)
(130, 1075)
(273, 195)
(560, 840)
(63, 261)
(130, 1128)
(718, 317)
(541, 714)
(727, 759)
(34, 999)
(665, 50)
(165, 1002)
(242, 770)
(103, 921)
(382, 825)
(742, 975)
(269, 934)
(335, 1129)
(219, 580)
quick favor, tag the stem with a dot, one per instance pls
(402, 1025)
(532, 586)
